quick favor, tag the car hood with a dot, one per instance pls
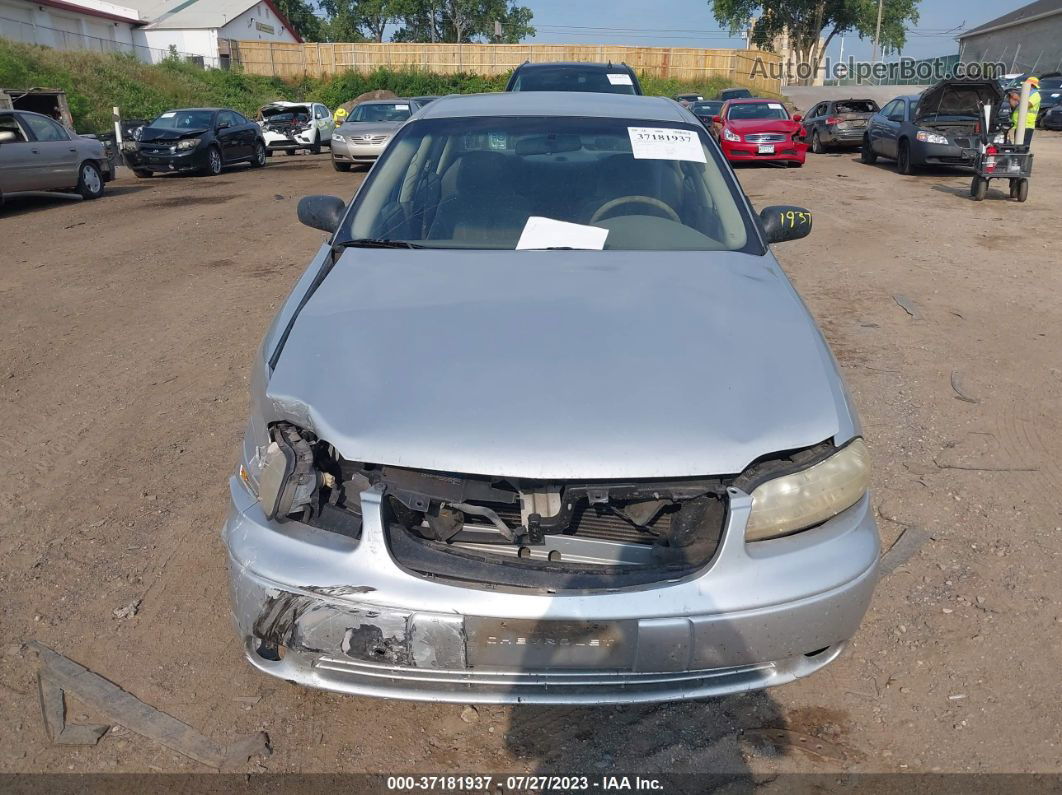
(554, 365)
(152, 134)
(958, 98)
(762, 125)
(369, 127)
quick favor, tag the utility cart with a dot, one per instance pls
(1012, 162)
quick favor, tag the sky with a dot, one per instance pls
(690, 23)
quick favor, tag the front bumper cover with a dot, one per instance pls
(323, 610)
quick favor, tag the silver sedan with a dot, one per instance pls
(364, 136)
(544, 421)
(39, 154)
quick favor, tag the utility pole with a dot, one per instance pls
(877, 33)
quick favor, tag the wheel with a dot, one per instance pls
(290, 151)
(794, 164)
(903, 159)
(269, 152)
(1014, 188)
(816, 144)
(1023, 190)
(89, 181)
(978, 188)
(258, 159)
(866, 152)
(316, 148)
(213, 166)
(340, 166)
(142, 173)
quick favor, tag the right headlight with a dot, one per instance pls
(282, 474)
(337, 137)
(803, 499)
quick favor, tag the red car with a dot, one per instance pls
(759, 130)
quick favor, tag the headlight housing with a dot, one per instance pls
(282, 474)
(803, 499)
(730, 136)
(931, 138)
(187, 143)
(128, 146)
(337, 137)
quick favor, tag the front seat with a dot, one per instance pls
(480, 204)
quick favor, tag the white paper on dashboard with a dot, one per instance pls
(665, 143)
(542, 232)
(775, 106)
(401, 107)
(619, 80)
(169, 115)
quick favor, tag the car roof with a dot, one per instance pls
(179, 110)
(586, 65)
(557, 103)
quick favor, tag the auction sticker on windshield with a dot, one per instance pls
(665, 143)
(619, 79)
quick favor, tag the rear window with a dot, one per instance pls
(574, 79)
(862, 106)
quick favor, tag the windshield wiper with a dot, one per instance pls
(373, 242)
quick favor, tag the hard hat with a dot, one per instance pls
(1034, 81)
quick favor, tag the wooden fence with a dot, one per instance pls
(318, 60)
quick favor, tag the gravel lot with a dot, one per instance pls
(127, 330)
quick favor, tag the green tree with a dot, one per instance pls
(301, 16)
(356, 20)
(463, 20)
(809, 22)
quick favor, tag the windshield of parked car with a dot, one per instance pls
(574, 79)
(861, 106)
(706, 108)
(298, 115)
(476, 183)
(757, 110)
(184, 120)
(380, 111)
(1051, 84)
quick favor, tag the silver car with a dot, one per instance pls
(365, 133)
(38, 153)
(544, 421)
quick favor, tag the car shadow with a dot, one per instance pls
(33, 201)
(885, 164)
(963, 191)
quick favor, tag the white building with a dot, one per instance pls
(195, 29)
(70, 24)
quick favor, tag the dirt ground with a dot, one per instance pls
(127, 328)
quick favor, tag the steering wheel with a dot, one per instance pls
(612, 204)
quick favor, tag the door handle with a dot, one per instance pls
(35, 151)
(73, 150)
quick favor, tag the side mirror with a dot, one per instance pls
(717, 119)
(785, 222)
(322, 212)
(797, 117)
(7, 137)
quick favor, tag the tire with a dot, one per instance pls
(794, 164)
(269, 152)
(816, 144)
(340, 166)
(978, 188)
(316, 148)
(214, 163)
(89, 181)
(142, 173)
(258, 159)
(867, 153)
(1023, 190)
(903, 159)
(290, 152)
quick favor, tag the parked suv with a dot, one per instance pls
(606, 78)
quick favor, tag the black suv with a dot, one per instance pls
(603, 78)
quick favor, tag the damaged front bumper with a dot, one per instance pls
(287, 141)
(325, 610)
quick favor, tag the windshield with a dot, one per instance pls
(298, 115)
(184, 120)
(380, 111)
(1051, 84)
(477, 183)
(574, 79)
(757, 110)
